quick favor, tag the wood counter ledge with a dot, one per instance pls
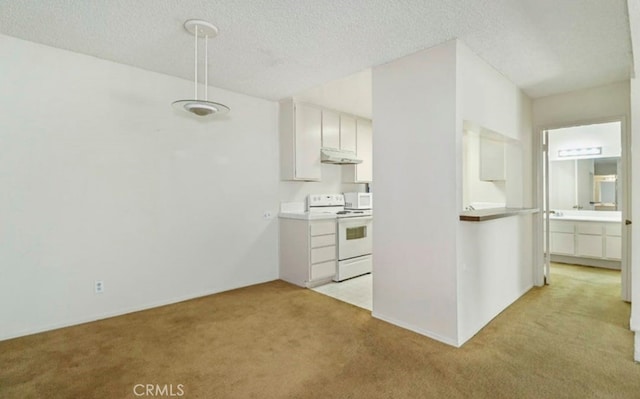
(480, 215)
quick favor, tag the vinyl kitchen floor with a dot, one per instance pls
(356, 291)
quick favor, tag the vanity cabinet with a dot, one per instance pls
(561, 238)
(586, 239)
(589, 239)
(308, 251)
(362, 172)
(300, 128)
(613, 241)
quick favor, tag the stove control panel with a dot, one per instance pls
(325, 200)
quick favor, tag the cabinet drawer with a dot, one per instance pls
(561, 227)
(323, 270)
(589, 228)
(589, 245)
(321, 228)
(323, 254)
(323, 241)
(613, 229)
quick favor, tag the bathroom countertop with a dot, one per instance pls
(582, 218)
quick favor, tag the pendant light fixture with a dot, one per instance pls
(199, 28)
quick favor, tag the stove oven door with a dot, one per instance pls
(354, 236)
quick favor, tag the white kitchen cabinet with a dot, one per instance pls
(308, 251)
(338, 131)
(492, 159)
(363, 172)
(330, 129)
(300, 141)
(347, 132)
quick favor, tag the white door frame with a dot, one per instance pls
(539, 256)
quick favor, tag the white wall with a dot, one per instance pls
(416, 148)
(297, 191)
(495, 265)
(102, 179)
(581, 106)
(635, 210)
(432, 273)
(495, 269)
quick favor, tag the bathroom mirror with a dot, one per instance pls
(584, 184)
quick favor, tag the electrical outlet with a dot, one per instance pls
(267, 215)
(99, 286)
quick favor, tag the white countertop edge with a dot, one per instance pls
(305, 215)
(586, 219)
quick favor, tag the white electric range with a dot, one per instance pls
(354, 233)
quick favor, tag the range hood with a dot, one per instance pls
(338, 157)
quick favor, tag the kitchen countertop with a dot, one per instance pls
(306, 215)
(480, 215)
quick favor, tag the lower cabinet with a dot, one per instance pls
(562, 243)
(308, 251)
(595, 240)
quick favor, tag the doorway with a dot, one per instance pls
(585, 195)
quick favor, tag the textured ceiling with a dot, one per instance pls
(277, 48)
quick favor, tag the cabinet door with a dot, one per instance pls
(589, 245)
(308, 138)
(323, 270)
(347, 133)
(562, 243)
(613, 248)
(364, 151)
(492, 166)
(330, 129)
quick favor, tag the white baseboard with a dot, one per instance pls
(120, 312)
(418, 330)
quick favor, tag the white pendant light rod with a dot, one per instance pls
(195, 63)
(201, 107)
(206, 67)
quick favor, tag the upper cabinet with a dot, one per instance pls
(492, 159)
(363, 172)
(347, 132)
(338, 131)
(305, 129)
(300, 141)
(330, 129)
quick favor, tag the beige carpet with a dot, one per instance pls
(274, 340)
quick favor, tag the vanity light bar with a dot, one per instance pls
(576, 152)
